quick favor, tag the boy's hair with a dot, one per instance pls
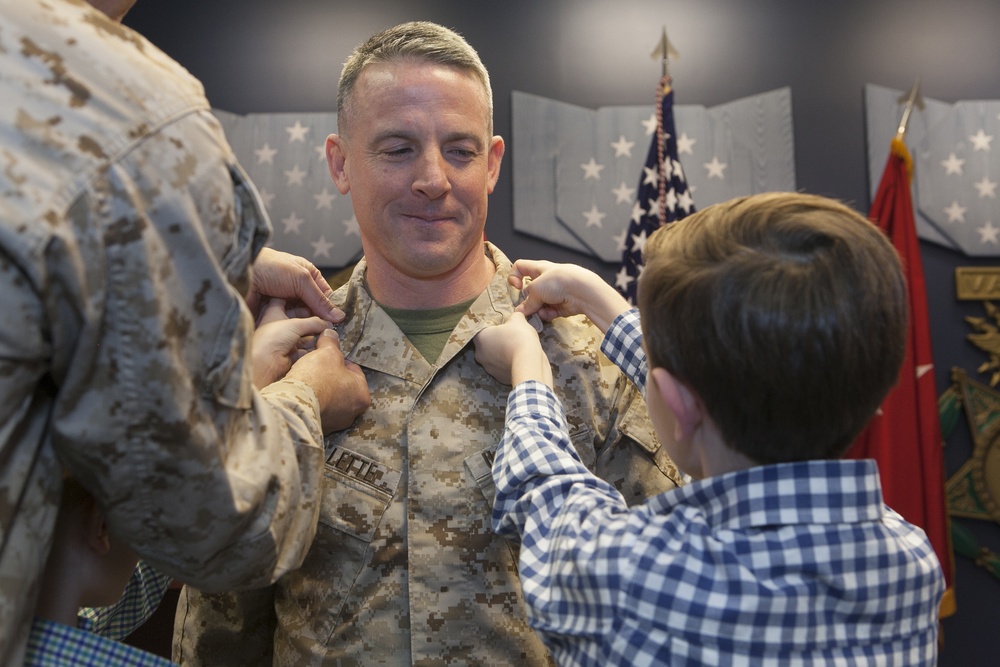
(417, 40)
(785, 313)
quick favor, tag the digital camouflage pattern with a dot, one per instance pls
(127, 230)
(405, 569)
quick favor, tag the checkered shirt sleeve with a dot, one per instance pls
(561, 512)
(622, 344)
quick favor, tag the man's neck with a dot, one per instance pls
(395, 290)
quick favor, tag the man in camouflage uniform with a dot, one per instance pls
(404, 569)
(127, 232)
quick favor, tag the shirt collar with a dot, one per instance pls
(807, 492)
(366, 324)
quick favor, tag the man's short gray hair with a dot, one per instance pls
(417, 40)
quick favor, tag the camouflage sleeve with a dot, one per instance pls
(628, 461)
(631, 458)
(29, 473)
(224, 628)
(606, 413)
(210, 481)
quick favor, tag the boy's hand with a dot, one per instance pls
(511, 352)
(561, 290)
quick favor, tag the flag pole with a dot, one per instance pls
(913, 98)
(665, 51)
(662, 174)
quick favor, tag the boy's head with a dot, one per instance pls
(785, 313)
(88, 566)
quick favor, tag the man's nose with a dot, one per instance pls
(431, 179)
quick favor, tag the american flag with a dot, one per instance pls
(662, 196)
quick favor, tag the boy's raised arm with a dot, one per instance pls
(561, 290)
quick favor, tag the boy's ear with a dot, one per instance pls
(680, 400)
(98, 537)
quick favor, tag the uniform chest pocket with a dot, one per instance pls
(479, 466)
(357, 492)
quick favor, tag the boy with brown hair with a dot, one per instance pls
(89, 567)
(771, 328)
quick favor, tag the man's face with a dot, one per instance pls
(419, 164)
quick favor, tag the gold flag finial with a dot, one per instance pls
(665, 51)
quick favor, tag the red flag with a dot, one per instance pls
(905, 436)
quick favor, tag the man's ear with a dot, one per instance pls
(680, 400)
(494, 157)
(336, 161)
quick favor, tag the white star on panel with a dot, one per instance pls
(981, 141)
(715, 168)
(293, 224)
(685, 144)
(265, 154)
(987, 188)
(295, 175)
(955, 212)
(988, 233)
(321, 149)
(953, 165)
(324, 199)
(351, 227)
(322, 247)
(622, 146)
(592, 170)
(594, 217)
(623, 194)
(297, 132)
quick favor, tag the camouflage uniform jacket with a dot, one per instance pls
(126, 236)
(405, 569)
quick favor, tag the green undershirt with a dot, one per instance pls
(428, 330)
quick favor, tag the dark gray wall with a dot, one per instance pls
(285, 55)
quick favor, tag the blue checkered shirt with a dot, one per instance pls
(143, 593)
(56, 645)
(788, 564)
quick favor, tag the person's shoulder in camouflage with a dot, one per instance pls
(127, 233)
